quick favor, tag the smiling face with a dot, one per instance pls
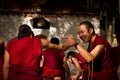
(84, 33)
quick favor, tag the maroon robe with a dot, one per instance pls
(53, 64)
(24, 58)
(83, 64)
(116, 55)
(103, 66)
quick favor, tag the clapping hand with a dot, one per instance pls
(71, 41)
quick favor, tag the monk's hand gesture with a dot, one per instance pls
(70, 40)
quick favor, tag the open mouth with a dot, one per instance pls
(83, 38)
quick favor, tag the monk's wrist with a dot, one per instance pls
(76, 45)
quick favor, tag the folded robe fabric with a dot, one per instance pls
(22, 72)
(53, 72)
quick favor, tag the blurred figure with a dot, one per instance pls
(98, 54)
(116, 57)
(2, 50)
(55, 63)
(23, 54)
(80, 64)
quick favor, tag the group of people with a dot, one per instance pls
(25, 59)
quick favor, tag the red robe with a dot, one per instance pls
(116, 55)
(1, 69)
(53, 64)
(24, 58)
(103, 66)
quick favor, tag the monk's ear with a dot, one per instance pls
(91, 30)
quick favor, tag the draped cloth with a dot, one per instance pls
(25, 57)
(116, 55)
(53, 64)
(50, 73)
(22, 72)
(103, 67)
(1, 69)
(82, 61)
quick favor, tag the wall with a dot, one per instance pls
(60, 25)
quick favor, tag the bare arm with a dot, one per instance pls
(42, 61)
(93, 54)
(70, 42)
(6, 66)
(66, 67)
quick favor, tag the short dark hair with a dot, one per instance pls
(54, 40)
(88, 24)
(70, 53)
(24, 31)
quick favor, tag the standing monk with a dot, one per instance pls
(23, 53)
(98, 54)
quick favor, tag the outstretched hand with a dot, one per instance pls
(71, 41)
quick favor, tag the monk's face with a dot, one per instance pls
(84, 34)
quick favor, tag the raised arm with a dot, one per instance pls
(69, 43)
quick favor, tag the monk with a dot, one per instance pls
(55, 63)
(98, 54)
